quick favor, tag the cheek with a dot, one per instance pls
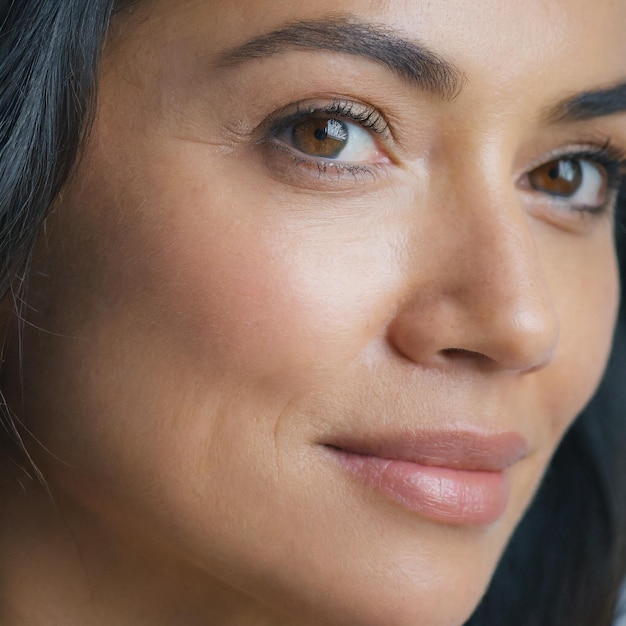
(240, 281)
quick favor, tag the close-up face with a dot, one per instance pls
(329, 283)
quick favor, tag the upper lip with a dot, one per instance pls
(457, 448)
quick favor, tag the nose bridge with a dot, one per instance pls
(501, 288)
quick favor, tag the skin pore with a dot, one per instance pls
(213, 304)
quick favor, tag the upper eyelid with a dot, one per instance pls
(604, 153)
(603, 158)
(607, 156)
(342, 108)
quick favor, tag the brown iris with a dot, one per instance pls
(320, 137)
(562, 177)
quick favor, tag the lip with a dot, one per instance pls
(455, 477)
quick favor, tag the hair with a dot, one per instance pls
(567, 558)
(49, 52)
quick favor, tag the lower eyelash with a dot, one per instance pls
(334, 169)
(359, 172)
(337, 175)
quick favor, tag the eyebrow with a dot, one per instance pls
(413, 62)
(590, 104)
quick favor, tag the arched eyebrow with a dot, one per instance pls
(413, 62)
(590, 104)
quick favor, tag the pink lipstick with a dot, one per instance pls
(451, 477)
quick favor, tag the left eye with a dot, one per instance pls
(583, 182)
(323, 137)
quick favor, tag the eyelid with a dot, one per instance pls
(567, 212)
(361, 148)
(343, 108)
(288, 164)
(605, 154)
(602, 150)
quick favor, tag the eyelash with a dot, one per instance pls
(611, 158)
(360, 113)
(347, 110)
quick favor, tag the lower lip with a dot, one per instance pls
(440, 494)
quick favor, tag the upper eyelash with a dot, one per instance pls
(367, 116)
(612, 158)
(609, 156)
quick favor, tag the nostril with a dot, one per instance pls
(462, 353)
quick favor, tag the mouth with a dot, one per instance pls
(449, 477)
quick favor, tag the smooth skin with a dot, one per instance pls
(208, 307)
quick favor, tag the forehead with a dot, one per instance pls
(571, 37)
(545, 50)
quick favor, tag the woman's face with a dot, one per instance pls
(329, 284)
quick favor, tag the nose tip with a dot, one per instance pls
(488, 298)
(524, 339)
(519, 337)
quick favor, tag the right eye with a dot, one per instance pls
(331, 138)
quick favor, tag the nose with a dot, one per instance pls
(477, 287)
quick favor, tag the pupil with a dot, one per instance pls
(320, 134)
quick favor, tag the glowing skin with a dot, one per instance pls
(210, 308)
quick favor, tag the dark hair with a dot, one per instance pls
(566, 560)
(48, 55)
(49, 51)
